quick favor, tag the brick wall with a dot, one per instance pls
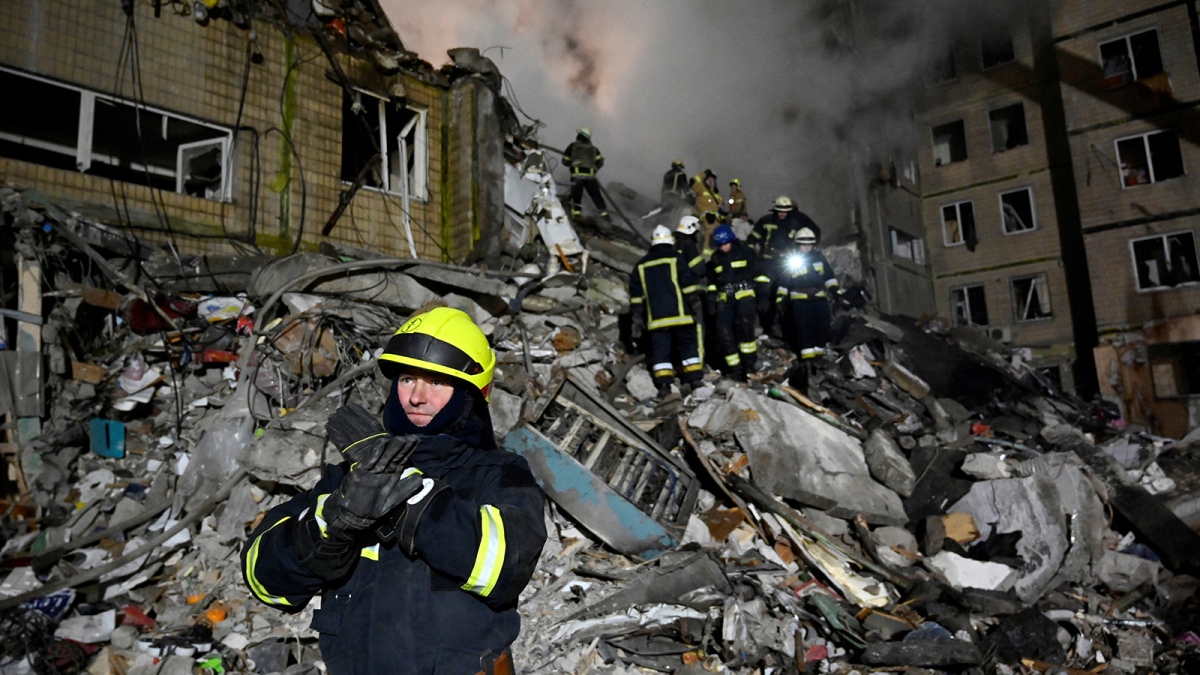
(197, 71)
(998, 296)
(1119, 303)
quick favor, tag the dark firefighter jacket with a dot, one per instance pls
(675, 182)
(660, 282)
(735, 274)
(583, 158)
(802, 276)
(477, 545)
(689, 250)
(772, 234)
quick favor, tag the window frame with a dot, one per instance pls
(85, 154)
(1127, 38)
(965, 288)
(958, 212)
(418, 125)
(933, 143)
(1011, 43)
(1044, 278)
(1032, 210)
(1145, 136)
(1158, 289)
(1024, 125)
(915, 243)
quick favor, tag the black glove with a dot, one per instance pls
(361, 438)
(364, 497)
(401, 524)
(637, 326)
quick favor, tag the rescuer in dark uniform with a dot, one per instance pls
(420, 541)
(584, 160)
(664, 298)
(771, 235)
(675, 189)
(734, 282)
(806, 282)
(687, 243)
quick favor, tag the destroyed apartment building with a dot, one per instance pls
(932, 503)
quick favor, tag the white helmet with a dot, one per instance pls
(662, 236)
(804, 235)
(688, 225)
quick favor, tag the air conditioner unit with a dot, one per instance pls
(1000, 333)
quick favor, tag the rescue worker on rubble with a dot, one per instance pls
(584, 160)
(687, 242)
(707, 197)
(675, 190)
(664, 298)
(737, 286)
(420, 540)
(772, 234)
(737, 199)
(806, 284)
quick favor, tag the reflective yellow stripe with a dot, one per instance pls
(748, 347)
(744, 294)
(695, 261)
(370, 552)
(737, 264)
(363, 440)
(490, 557)
(672, 321)
(636, 301)
(665, 373)
(831, 283)
(251, 561)
(691, 289)
(733, 359)
(319, 514)
(763, 279)
(719, 268)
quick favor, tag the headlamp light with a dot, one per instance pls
(795, 262)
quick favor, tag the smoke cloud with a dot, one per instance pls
(790, 97)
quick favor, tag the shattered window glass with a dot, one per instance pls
(958, 223)
(1031, 298)
(1016, 211)
(1008, 127)
(1165, 261)
(1149, 158)
(1131, 58)
(383, 141)
(996, 48)
(949, 143)
(969, 306)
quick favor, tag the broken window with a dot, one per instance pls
(958, 224)
(1175, 369)
(1008, 127)
(943, 68)
(1131, 58)
(1165, 261)
(1149, 158)
(1016, 211)
(384, 141)
(996, 48)
(1031, 298)
(968, 306)
(77, 129)
(949, 143)
(906, 246)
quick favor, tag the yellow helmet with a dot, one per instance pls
(443, 340)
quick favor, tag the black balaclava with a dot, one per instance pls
(465, 417)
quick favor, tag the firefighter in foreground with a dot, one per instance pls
(664, 295)
(421, 539)
(584, 160)
(806, 285)
(737, 286)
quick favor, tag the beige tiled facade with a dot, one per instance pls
(197, 72)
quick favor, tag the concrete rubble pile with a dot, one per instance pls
(929, 504)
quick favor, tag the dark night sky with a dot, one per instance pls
(778, 93)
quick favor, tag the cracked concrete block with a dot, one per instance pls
(985, 466)
(961, 572)
(478, 314)
(888, 464)
(905, 379)
(834, 526)
(1056, 510)
(797, 455)
(1122, 572)
(609, 292)
(896, 536)
(640, 385)
(506, 412)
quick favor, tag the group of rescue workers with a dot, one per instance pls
(702, 277)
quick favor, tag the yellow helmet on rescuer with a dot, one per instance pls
(443, 340)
